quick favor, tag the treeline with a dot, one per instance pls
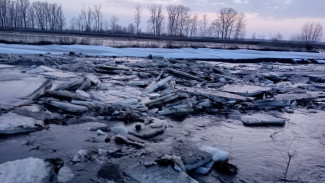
(174, 20)
(18, 14)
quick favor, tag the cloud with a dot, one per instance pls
(241, 1)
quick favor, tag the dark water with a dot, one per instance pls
(258, 157)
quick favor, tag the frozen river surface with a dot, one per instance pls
(200, 53)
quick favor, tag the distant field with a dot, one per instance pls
(122, 41)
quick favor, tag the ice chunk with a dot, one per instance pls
(83, 93)
(4, 66)
(12, 123)
(190, 154)
(30, 170)
(262, 119)
(80, 156)
(65, 174)
(119, 130)
(217, 154)
(40, 69)
(321, 61)
(205, 169)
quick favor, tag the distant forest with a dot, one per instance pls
(173, 20)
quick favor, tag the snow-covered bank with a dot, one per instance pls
(200, 53)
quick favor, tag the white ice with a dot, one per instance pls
(12, 121)
(30, 170)
(199, 53)
(217, 154)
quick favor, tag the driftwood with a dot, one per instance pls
(155, 86)
(180, 73)
(62, 94)
(70, 85)
(67, 106)
(161, 100)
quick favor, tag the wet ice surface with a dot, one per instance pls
(143, 52)
(260, 153)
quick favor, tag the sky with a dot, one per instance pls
(264, 18)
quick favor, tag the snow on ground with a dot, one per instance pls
(200, 53)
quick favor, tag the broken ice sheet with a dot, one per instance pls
(262, 119)
(33, 170)
(12, 123)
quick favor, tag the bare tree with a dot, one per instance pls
(178, 19)
(194, 25)
(131, 29)
(113, 24)
(31, 17)
(277, 38)
(86, 18)
(40, 14)
(240, 26)
(215, 29)
(229, 24)
(227, 18)
(137, 18)
(204, 25)
(60, 18)
(156, 20)
(98, 17)
(311, 33)
(22, 8)
(23, 14)
(4, 12)
(184, 20)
